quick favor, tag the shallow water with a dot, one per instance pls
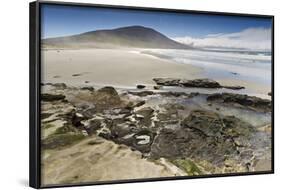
(255, 118)
(250, 66)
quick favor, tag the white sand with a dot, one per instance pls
(114, 67)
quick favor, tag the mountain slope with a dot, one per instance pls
(131, 36)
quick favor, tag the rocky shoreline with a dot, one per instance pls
(189, 130)
(195, 83)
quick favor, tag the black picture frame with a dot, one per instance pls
(35, 78)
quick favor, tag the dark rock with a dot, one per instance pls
(131, 105)
(140, 141)
(167, 119)
(167, 81)
(145, 116)
(234, 73)
(90, 88)
(203, 135)
(87, 81)
(145, 112)
(45, 115)
(250, 102)
(88, 113)
(93, 126)
(269, 94)
(106, 98)
(60, 85)
(207, 123)
(140, 86)
(138, 104)
(234, 87)
(143, 140)
(142, 93)
(76, 75)
(193, 94)
(76, 119)
(125, 110)
(52, 97)
(234, 127)
(175, 94)
(195, 83)
(119, 130)
(108, 90)
(201, 83)
(157, 87)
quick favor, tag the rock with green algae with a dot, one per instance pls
(188, 166)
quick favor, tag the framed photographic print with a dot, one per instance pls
(130, 94)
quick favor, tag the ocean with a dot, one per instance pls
(253, 66)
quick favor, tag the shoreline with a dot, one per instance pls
(110, 66)
(124, 69)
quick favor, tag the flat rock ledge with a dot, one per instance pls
(196, 83)
(255, 103)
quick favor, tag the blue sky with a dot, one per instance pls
(68, 20)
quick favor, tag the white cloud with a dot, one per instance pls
(251, 38)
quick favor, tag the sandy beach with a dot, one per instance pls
(115, 67)
(124, 68)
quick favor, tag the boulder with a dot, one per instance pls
(108, 90)
(106, 98)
